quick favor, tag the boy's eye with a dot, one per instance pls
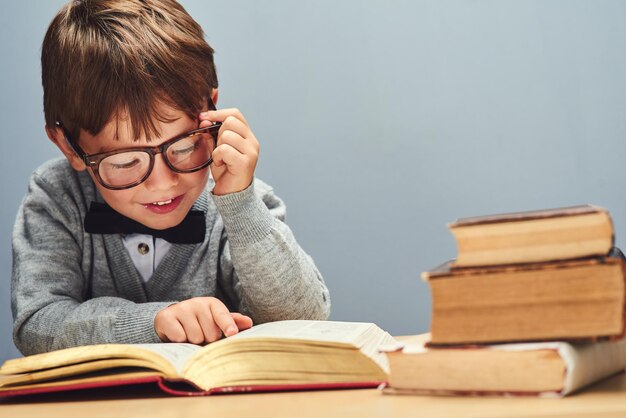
(129, 164)
(182, 151)
(184, 147)
(122, 162)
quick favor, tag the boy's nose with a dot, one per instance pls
(161, 177)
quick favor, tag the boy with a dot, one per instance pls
(128, 239)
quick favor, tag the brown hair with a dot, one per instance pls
(111, 58)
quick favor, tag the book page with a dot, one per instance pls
(326, 331)
(168, 358)
(589, 362)
(292, 352)
(176, 353)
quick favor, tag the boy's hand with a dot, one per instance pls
(198, 320)
(237, 151)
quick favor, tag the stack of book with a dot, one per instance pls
(533, 304)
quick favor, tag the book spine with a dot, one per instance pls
(298, 387)
(168, 386)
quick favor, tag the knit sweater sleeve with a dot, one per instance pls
(50, 286)
(261, 262)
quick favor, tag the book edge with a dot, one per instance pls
(163, 385)
(529, 215)
(585, 364)
(447, 268)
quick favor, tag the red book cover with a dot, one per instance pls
(183, 388)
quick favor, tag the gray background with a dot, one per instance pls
(381, 121)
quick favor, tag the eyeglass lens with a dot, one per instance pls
(186, 154)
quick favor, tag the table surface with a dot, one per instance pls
(604, 399)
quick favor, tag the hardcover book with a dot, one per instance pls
(284, 355)
(568, 300)
(517, 369)
(533, 236)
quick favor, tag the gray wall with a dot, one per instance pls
(380, 121)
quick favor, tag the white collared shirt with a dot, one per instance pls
(146, 252)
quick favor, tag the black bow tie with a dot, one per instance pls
(102, 219)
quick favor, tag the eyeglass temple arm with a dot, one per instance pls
(75, 147)
(211, 104)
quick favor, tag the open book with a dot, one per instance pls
(539, 369)
(284, 355)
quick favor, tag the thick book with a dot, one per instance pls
(568, 300)
(516, 369)
(533, 236)
(283, 355)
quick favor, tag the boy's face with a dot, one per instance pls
(176, 192)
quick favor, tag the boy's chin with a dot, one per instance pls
(160, 221)
(161, 224)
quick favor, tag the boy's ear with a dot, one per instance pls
(56, 135)
(214, 96)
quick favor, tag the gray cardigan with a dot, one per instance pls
(73, 288)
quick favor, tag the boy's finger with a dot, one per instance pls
(205, 123)
(226, 154)
(173, 332)
(209, 328)
(245, 145)
(242, 321)
(234, 140)
(220, 115)
(192, 327)
(235, 125)
(223, 319)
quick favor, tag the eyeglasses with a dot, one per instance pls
(123, 169)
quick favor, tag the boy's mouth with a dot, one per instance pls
(167, 202)
(165, 205)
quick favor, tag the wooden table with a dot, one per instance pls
(604, 399)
